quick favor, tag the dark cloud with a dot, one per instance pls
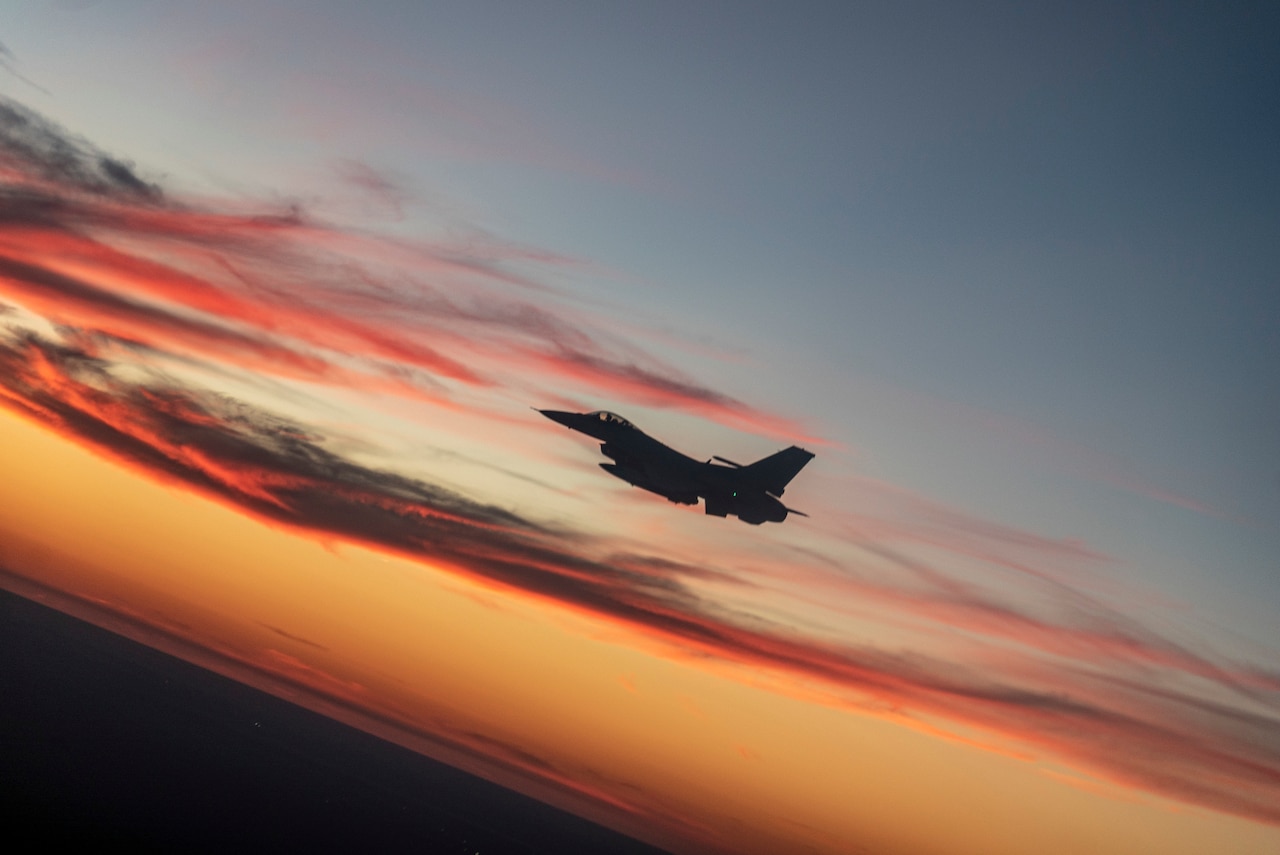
(37, 146)
(282, 471)
(122, 175)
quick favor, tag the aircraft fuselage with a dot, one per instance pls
(747, 492)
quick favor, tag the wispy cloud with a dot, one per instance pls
(88, 242)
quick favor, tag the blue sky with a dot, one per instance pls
(1011, 272)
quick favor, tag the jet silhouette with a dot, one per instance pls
(748, 492)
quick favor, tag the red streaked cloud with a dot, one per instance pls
(86, 243)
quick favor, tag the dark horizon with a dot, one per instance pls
(110, 741)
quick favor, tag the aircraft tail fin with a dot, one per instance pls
(774, 472)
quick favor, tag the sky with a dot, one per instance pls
(280, 282)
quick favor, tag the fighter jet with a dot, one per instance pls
(751, 492)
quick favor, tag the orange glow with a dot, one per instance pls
(569, 705)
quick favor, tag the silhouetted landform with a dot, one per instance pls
(751, 492)
(106, 741)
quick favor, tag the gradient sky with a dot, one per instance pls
(279, 282)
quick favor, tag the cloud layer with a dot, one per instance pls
(120, 273)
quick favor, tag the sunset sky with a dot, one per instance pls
(280, 282)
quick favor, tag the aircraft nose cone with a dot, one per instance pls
(560, 416)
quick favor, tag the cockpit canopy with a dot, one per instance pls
(610, 418)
